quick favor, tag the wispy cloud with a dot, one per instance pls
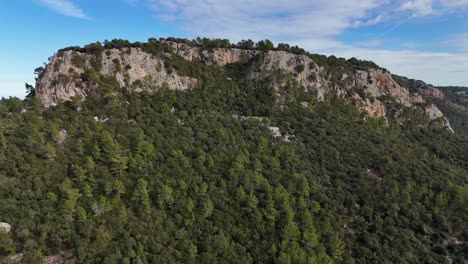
(277, 18)
(316, 25)
(418, 7)
(454, 2)
(64, 7)
(370, 22)
(458, 42)
(271, 18)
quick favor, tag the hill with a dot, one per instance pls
(177, 151)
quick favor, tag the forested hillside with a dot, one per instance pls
(234, 170)
(455, 107)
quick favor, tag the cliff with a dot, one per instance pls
(81, 72)
(72, 73)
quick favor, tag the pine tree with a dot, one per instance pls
(141, 197)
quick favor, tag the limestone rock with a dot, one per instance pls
(377, 83)
(438, 117)
(433, 112)
(64, 78)
(303, 69)
(223, 56)
(275, 131)
(5, 227)
(375, 108)
(219, 56)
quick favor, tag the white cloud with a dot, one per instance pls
(418, 7)
(458, 42)
(421, 8)
(454, 2)
(64, 7)
(370, 22)
(272, 19)
(315, 26)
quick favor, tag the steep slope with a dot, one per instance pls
(454, 105)
(80, 72)
(250, 165)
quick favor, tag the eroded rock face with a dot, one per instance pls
(53, 86)
(438, 117)
(65, 76)
(219, 57)
(433, 112)
(378, 83)
(375, 109)
(185, 51)
(304, 70)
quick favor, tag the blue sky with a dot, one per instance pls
(422, 39)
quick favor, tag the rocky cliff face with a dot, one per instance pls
(219, 57)
(378, 83)
(72, 73)
(302, 68)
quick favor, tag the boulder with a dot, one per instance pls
(5, 227)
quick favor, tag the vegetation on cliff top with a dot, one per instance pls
(154, 45)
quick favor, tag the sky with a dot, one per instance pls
(420, 39)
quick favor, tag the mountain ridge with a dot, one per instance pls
(141, 66)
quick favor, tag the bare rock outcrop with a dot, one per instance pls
(438, 117)
(72, 74)
(222, 56)
(303, 69)
(433, 112)
(217, 56)
(377, 83)
(187, 52)
(5, 227)
(374, 109)
(63, 258)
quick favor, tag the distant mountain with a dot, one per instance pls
(202, 151)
